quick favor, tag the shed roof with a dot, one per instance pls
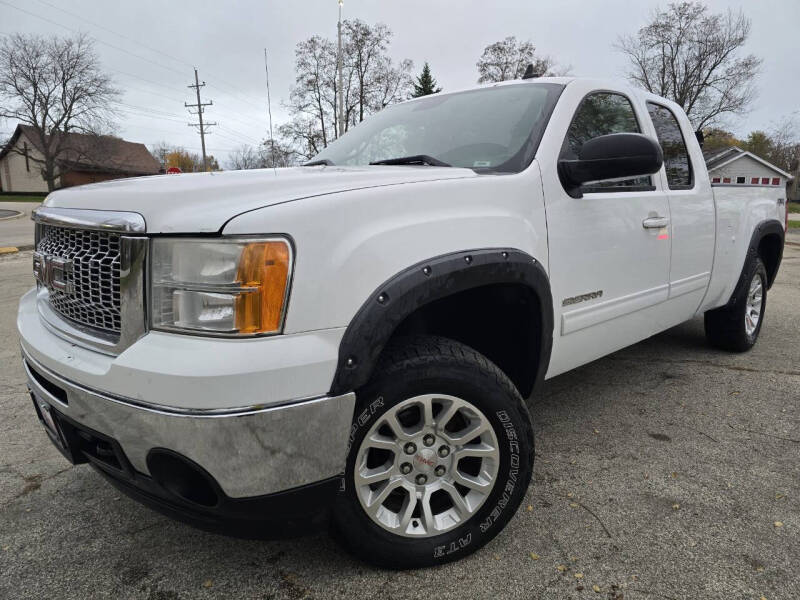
(720, 158)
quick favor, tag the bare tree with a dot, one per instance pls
(276, 153)
(509, 58)
(270, 153)
(313, 96)
(160, 152)
(56, 86)
(691, 56)
(392, 83)
(305, 134)
(785, 139)
(372, 80)
(244, 157)
(378, 81)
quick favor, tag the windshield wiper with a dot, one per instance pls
(322, 161)
(417, 159)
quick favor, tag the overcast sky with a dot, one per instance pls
(151, 46)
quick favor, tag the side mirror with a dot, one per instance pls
(613, 156)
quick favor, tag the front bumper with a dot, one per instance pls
(247, 453)
(253, 418)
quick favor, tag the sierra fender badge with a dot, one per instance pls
(582, 298)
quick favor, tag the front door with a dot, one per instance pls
(609, 251)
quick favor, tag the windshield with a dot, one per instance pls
(489, 129)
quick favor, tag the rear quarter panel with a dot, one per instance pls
(740, 209)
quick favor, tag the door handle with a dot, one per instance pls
(655, 222)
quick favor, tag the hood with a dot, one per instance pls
(204, 202)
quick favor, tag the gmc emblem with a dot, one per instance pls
(52, 271)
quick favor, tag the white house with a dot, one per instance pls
(19, 171)
(734, 166)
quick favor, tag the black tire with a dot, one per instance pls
(725, 327)
(433, 365)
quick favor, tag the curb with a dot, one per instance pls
(15, 249)
(10, 217)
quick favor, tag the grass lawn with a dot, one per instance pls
(22, 198)
(794, 224)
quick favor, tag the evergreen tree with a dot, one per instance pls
(425, 83)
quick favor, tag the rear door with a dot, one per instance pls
(609, 250)
(692, 212)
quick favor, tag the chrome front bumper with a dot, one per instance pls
(249, 452)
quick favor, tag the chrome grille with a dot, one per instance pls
(92, 292)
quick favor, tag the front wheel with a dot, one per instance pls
(441, 456)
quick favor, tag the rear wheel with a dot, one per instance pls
(736, 327)
(440, 458)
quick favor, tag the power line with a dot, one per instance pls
(157, 111)
(237, 139)
(150, 81)
(232, 115)
(144, 91)
(138, 43)
(200, 106)
(149, 115)
(230, 94)
(240, 134)
(152, 62)
(83, 19)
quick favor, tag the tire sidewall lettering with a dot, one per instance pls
(360, 420)
(513, 471)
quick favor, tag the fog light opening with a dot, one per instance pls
(182, 478)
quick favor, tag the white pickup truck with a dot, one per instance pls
(354, 341)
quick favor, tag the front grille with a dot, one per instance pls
(92, 294)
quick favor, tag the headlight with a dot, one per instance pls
(225, 286)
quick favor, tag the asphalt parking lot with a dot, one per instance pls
(665, 471)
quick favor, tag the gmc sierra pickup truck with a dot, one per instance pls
(356, 341)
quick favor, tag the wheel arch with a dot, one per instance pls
(767, 240)
(496, 300)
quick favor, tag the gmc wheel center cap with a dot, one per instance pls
(425, 460)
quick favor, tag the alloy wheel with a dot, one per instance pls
(754, 305)
(426, 465)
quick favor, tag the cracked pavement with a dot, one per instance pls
(661, 473)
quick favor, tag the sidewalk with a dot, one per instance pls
(17, 232)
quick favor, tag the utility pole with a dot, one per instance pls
(200, 107)
(339, 68)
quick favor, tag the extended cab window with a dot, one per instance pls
(603, 113)
(676, 156)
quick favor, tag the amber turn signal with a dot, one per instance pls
(264, 271)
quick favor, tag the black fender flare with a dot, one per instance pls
(764, 228)
(425, 282)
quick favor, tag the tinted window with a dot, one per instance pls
(676, 157)
(602, 113)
